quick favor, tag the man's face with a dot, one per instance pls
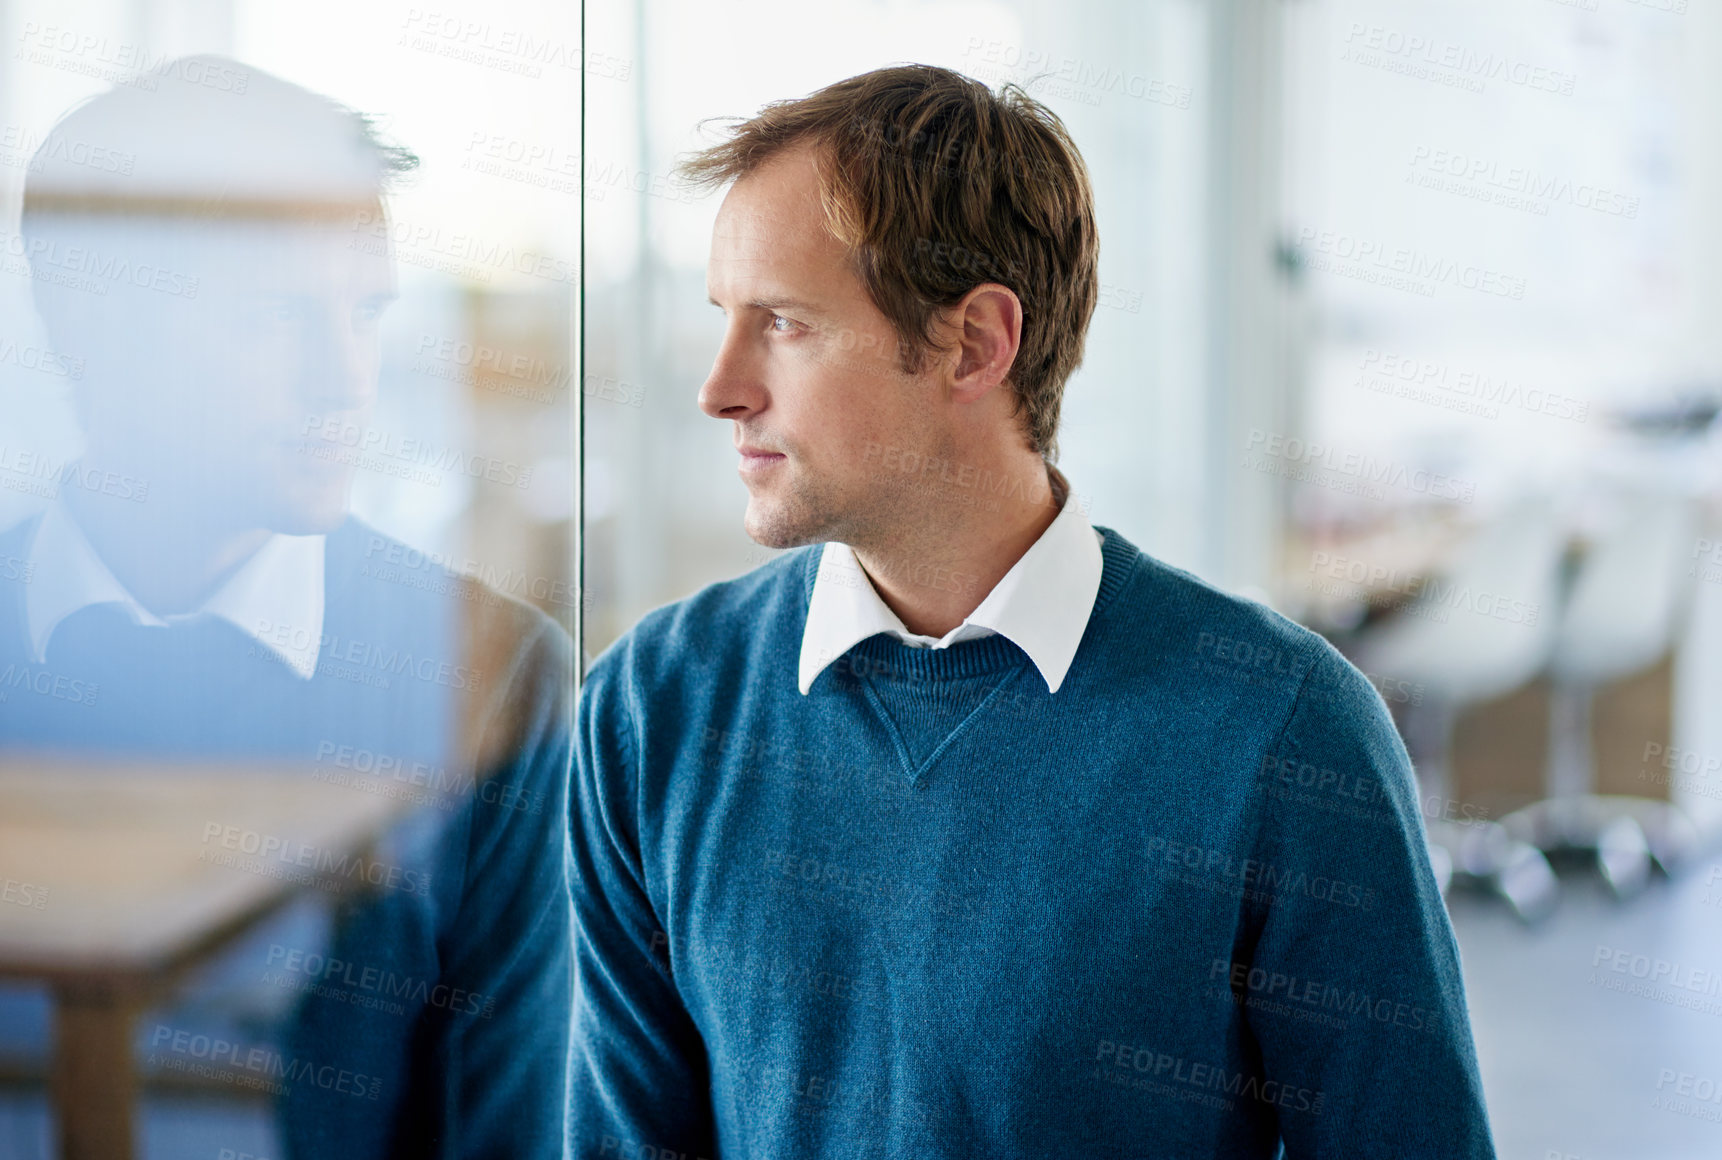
(225, 395)
(809, 369)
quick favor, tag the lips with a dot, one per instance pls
(759, 459)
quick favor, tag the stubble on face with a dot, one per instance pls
(857, 501)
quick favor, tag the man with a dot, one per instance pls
(197, 593)
(962, 831)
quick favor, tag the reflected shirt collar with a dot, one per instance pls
(280, 585)
(1041, 605)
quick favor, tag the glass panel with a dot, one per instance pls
(287, 409)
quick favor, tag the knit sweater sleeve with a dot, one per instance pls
(1352, 988)
(640, 1082)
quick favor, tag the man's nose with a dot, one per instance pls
(735, 388)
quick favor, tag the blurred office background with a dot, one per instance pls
(1408, 330)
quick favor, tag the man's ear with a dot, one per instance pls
(989, 324)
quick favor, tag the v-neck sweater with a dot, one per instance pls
(1182, 907)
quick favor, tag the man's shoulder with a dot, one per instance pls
(1257, 681)
(721, 624)
(1224, 641)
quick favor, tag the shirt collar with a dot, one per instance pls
(1041, 605)
(282, 583)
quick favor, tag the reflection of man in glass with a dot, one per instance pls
(970, 830)
(197, 590)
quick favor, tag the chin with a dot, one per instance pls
(771, 526)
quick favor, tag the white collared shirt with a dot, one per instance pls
(280, 586)
(1041, 605)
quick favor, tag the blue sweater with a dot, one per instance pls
(1182, 908)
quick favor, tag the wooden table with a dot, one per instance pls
(110, 897)
(1393, 553)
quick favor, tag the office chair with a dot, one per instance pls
(1626, 598)
(1451, 640)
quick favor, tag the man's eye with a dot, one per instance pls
(781, 324)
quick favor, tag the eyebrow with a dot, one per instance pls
(777, 303)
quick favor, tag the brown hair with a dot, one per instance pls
(936, 184)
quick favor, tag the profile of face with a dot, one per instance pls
(237, 380)
(809, 370)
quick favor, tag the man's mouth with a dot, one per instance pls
(758, 458)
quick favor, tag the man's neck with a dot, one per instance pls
(170, 563)
(935, 575)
